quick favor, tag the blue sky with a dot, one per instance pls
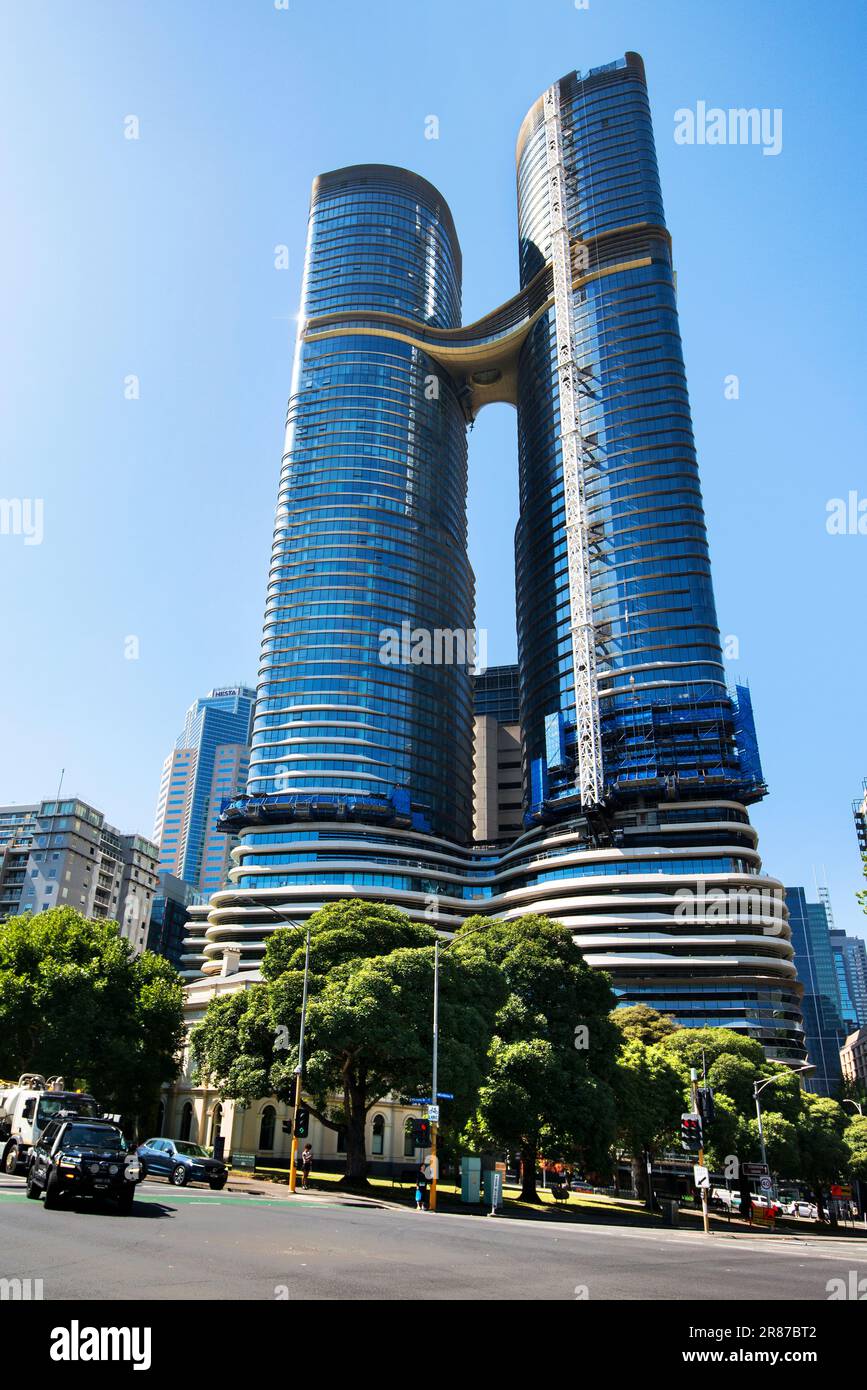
(155, 258)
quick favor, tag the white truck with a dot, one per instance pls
(26, 1106)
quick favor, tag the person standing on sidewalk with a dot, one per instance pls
(306, 1165)
(420, 1188)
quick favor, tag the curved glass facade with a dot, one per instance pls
(371, 520)
(676, 907)
(361, 771)
(666, 715)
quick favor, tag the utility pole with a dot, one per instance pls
(436, 1027)
(693, 1083)
(299, 1070)
(756, 1092)
(758, 1087)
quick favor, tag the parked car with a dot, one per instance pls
(799, 1206)
(725, 1198)
(767, 1203)
(75, 1157)
(182, 1162)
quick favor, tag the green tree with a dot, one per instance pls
(549, 1086)
(727, 1136)
(862, 896)
(734, 1063)
(650, 1097)
(369, 1022)
(646, 1024)
(734, 1076)
(782, 1143)
(700, 1047)
(76, 1001)
(855, 1139)
(824, 1153)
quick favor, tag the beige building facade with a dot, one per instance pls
(853, 1057)
(195, 1112)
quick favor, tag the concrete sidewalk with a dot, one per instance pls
(275, 1191)
(559, 1216)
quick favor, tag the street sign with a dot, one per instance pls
(445, 1095)
(841, 1190)
(755, 1170)
(766, 1184)
(762, 1216)
(433, 1114)
(701, 1175)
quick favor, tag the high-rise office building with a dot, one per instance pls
(639, 764)
(65, 854)
(859, 811)
(207, 766)
(853, 1059)
(850, 960)
(824, 1028)
(497, 786)
(170, 914)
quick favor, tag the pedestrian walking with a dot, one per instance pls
(306, 1165)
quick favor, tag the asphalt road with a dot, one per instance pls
(194, 1244)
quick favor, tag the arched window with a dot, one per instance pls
(161, 1117)
(377, 1147)
(216, 1124)
(266, 1127)
(186, 1121)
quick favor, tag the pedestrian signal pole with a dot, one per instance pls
(693, 1084)
(433, 1128)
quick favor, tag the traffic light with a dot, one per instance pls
(287, 1126)
(706, 1107)
(421, 1134)
(302, 1122)
(690, 1133)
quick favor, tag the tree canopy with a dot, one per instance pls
(549, 1087)
(639, 1021)
(369, 1021)
(76, 1001)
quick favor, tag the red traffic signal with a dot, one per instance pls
(690, 1132)
(421, 1134)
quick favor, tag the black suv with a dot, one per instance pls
(82, 1158)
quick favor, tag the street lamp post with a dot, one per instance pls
(299, 1070)
(432, 1206)
(758, 1087)
(861, 1185)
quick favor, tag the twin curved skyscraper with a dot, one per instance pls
(638, 762)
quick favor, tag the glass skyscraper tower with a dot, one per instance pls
(638, 763)
(208, 764)
(371, 518)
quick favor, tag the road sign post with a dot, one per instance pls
(705, 1217)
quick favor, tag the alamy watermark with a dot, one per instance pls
(758, 905)
(739, 125)
(846, 516)
(23, 516)
(438, 646)
(852, 1288)
(20, 1290)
